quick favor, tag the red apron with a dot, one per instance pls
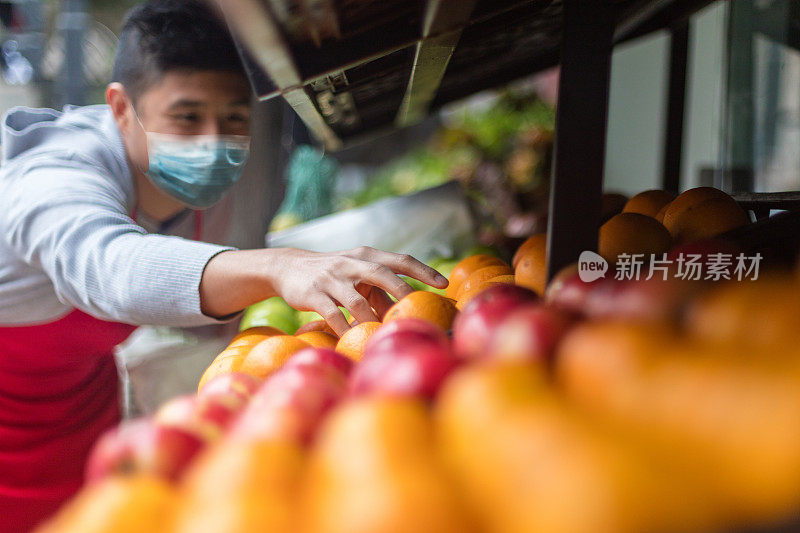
(58, 393)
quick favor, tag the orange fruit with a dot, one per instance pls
(240, 350)
(424, 305)
(255, 335)
(270, 354)
(222, 364)
(467, 266)
(735, 313)
(661, 212)
(507, 279)
(611, 203)
(692, 197)
(531, 268)
(315, 325)
(123, 504)
(594, 353)
(394, 483)
(516, 448)
(354, 339)
(706, 219)
(319, 339)
(686, 200)
(472, 293)
(481, 275)
(243, 486)
(648, 202)
(632, 233)
(535, 244)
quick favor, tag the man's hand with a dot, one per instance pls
(359, 280)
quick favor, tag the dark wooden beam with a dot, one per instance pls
(676, 106)
(580, 143)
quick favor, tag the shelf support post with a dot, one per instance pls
(676, 104)
(577, 182)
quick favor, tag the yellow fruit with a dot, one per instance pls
(354, 340)
(466, 296)
(611, 204)
(523, 458)
(535, 244)
(661, 212)
(648, 202)
(252, 336)
(319, 339)
(692, 197)
(632, 233)
(729, 421)
(467, 266)
(375, 469)
(481, 276)
(270, 354)
(705, 220)
(736, 313)
(130, 504)
(222, 364)
(243, 487)
(426, 306)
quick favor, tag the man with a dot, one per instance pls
(78, 268)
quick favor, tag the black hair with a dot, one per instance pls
(163, 35)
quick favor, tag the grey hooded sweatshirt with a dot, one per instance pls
(68, 238)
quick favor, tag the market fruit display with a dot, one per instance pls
(632, 233)
(616, 405)
(354, 340)
(426, 306)
(648, 203)
(129, 504)
(394, 483)
(462, 270)
(270, 354)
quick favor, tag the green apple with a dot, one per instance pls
(273, 312)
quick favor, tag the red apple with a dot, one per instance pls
(653, 300)
(207, 417)
(405, 363)
(292, 403)
(568, 292)
(141, 445)
(240, 385)
(167, 451)
(475, 324)
(408, 324)
(531, 332)
(114, 452)
(704, 248)
(324, 357)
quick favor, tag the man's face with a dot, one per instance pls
(190, 103)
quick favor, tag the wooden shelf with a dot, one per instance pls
(350, 68)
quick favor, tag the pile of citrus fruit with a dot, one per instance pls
(505, 405)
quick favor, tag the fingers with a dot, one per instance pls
(380, 301)
(403, 264)
(383, 278)
(333, 316)
(358, 306)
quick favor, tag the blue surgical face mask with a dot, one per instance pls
(196, 169)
